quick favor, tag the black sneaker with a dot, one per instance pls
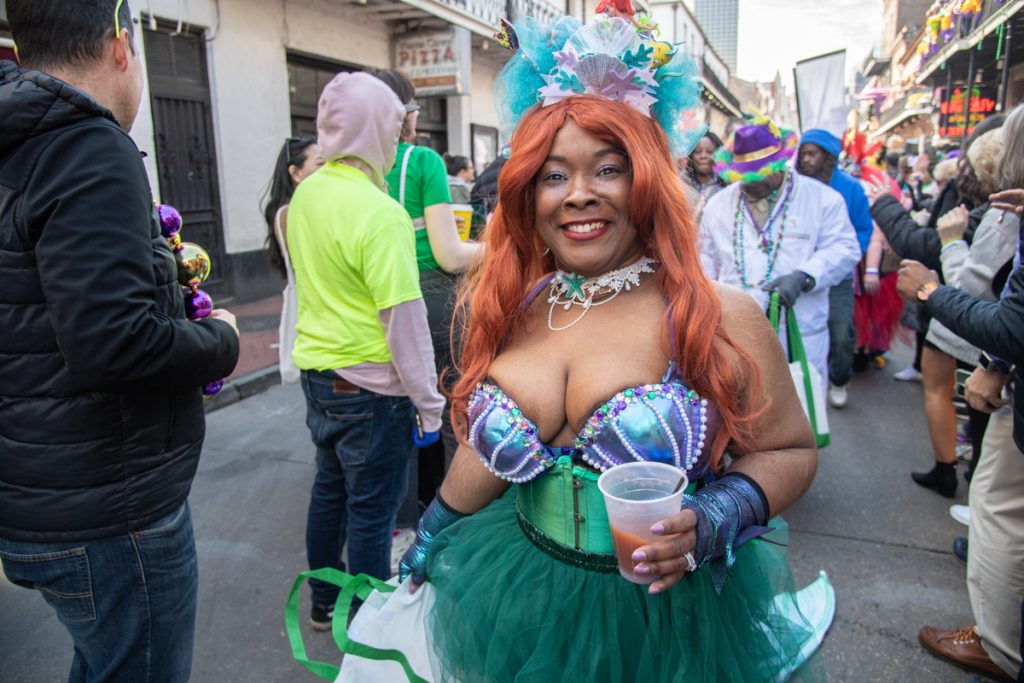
(321, 616)
(960, 549)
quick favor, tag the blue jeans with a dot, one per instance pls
(129, 602)
(842, 339)
(363, 446)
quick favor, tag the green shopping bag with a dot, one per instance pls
(360, 586)
(805, 376)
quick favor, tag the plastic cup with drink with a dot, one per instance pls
(463, 219)
(636, 495)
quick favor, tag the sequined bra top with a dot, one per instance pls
(665, 422)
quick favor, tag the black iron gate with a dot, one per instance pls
(185, 150)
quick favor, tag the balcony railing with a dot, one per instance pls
(483, 16)
(541, 10)
(962, 33)
(729, 100)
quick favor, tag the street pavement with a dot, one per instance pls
(883, 541)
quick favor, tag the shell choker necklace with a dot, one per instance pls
(569, 289)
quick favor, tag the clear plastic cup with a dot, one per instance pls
(636, 495)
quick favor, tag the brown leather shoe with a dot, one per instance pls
(962, 648)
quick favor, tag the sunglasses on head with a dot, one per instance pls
(117, 18)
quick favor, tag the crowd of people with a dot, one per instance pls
(468, 375)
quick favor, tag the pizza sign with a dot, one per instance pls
(432, 62)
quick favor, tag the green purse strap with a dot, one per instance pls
(359, 586)
(796, 352)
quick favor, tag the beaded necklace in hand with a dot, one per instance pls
(569, 289)
(770, 241)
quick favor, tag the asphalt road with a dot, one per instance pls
(883, 541)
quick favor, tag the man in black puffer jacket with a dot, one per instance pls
(101, 416)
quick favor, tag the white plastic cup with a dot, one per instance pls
(636, 495)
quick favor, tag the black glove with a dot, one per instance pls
(790, 287)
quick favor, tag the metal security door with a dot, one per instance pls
(185, 149)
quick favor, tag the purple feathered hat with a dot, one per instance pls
(755, 152)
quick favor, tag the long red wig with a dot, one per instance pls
(691, 330)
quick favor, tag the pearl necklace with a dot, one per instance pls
(768, 243)
(569, 289)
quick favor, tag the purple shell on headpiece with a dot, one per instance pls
(213, 387)
(170, 220)
(198, 304)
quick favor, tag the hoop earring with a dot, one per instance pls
(547, 250)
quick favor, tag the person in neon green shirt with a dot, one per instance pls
(363, 342)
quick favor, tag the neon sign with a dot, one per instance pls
(954, 112)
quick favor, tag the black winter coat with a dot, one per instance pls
(996, 327)
(101, 417)
(912, 241)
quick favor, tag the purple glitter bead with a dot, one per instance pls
(213, 387)
(198, 304)
(170, 221)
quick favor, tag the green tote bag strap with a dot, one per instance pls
(359, 586)
(798, 355)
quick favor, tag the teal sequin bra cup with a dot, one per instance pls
(664, 422)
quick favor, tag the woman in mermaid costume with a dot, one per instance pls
(595, 339)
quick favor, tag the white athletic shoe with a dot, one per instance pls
(960, 513)
(401, 540)
(837, 396)
(908, 374)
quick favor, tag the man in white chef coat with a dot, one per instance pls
(774, 230)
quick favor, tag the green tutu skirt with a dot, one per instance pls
(506, 611)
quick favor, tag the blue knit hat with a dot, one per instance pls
(822, 138)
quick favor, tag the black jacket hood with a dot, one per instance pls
(33, 103)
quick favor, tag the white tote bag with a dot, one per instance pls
(806, 378)
(386, 641)
(286, 329)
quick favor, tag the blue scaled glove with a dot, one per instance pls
(730, 512)
(437, 516)
(790, 287)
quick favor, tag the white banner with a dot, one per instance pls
(821, 92)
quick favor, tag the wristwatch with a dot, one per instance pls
(990, 363)
(925, 290)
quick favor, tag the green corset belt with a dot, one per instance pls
(563, 514)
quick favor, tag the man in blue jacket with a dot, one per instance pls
(101, 415)
(819, 153)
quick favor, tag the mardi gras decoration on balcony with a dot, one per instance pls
(946, 21)
(193, 268)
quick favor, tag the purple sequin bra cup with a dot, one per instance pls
(665, 422)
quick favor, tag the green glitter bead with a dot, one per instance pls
(629, 393)
(651, 395)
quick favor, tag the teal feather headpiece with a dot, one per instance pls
(609, 57)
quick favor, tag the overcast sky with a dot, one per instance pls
(775, 34)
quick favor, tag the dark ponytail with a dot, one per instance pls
(279, 193)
